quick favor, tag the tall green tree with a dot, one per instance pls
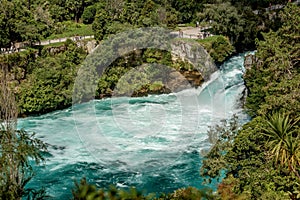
(274, 80)
(18, 24)
(224, 18)
(266, 166)
(17, 147)
(50, 87)
(187, 9)
(76, 8)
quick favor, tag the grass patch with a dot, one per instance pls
(70, 29)
(210, 39)
(58, 44)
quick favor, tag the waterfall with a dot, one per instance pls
(153, 142)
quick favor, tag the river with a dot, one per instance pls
(153, 143)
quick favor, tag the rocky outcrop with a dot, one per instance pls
(88, 46)
(176, 81)
(201, 67)
(145, 90)
(249, 61)
(55, 50)
(194, 77)
(194, 53)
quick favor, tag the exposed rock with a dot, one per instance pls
(56, 50)
(249, 61)
(177, 82)
(144, 91)
(88, 46)
(194, 77)
(195, 54)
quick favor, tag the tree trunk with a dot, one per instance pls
(294, 170)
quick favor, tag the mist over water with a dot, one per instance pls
(153, 143)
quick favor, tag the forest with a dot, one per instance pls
(260, 159)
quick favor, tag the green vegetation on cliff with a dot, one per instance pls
(18, 149)
(274, 80)
(218, 47)
(43, 79)
(43, 83)
(262, 159)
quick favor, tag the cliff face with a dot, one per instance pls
(195, 54)
(88, 46)
(191, 66)
(249, 61)
(188, 65)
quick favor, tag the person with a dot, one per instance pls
(197, 24)
(180, 33)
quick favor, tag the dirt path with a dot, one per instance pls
(190, 32)
(21, 46)
(185, 32)
(75, 38)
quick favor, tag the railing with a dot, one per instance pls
(199, 33)
(20, 46)
(75, 38)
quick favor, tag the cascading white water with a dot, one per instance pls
(152, 142)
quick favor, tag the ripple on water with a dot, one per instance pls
(153, 143)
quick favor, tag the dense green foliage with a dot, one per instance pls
(86, 191)
(18, 149)
(43, 80)
(22, 20)
(118, 16)
(43, 83)
(261, 160)
(241, 21)
(18, 23)
(274, 80)
(218, 47)
(150, 77)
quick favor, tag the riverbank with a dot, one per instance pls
(152, 143)
(43, 79)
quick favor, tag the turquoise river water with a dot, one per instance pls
(153, 143)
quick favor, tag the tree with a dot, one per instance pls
(76, 8)
(274, 80)
(224, 19)
(17, 147)
(50, 87)
(218, 47)
(88, 15)
(284, 146)
(187, 9)
(100, 24)
(18, 24)
(221, 138)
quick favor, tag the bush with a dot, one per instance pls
(88, 15)
(218, 47)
